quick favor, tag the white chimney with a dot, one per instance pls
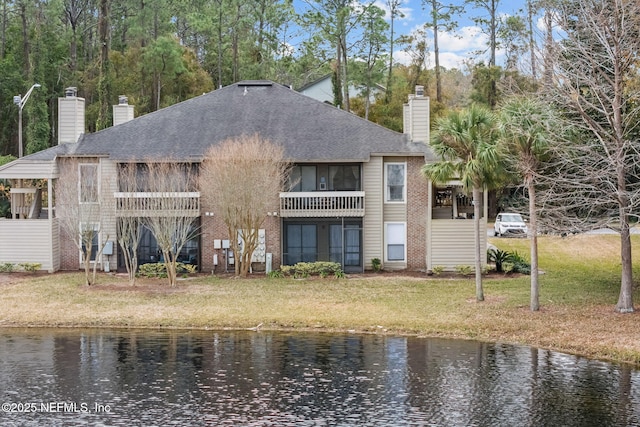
(416, 116)
(70, 117)
(123, 112)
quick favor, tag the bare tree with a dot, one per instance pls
(594, 66)
(79, 203)
(242, 177)
(173, 217)
(129, 224)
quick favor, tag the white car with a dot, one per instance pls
(509, 224)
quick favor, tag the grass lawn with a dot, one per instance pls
(579, 289)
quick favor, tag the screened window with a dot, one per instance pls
(351, 244)
(396, 238)
(302, 243)
(344, 178)
(303, 178)
(395, 177)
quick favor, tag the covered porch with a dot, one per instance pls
(31, 233)
(450, 227)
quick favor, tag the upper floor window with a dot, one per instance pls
(344, 178)
(134, 177)
(395, 182)
(88, 183)
(303, 178)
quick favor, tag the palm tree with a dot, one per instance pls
(526, 128)
(466, 141)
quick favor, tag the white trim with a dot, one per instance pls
(404, 184)
(386, 241)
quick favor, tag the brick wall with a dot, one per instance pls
(213, 227)
(417, 205)
(69, 253)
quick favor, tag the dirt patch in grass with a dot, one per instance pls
(19, 276)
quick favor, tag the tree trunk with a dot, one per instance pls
(25, 38)
(170, 264)
(389, 73)
(548, 47)
(436, 52)
(532, 43)
(533, 237)
(625, 300)
(219, 61)
(476, 224)
(87, 264)
(345, 78)
(493, 11)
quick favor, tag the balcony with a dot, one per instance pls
(322, 204)
(146, 204)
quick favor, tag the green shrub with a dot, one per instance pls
(376, 265)
(464, 270)
(6, 267)
(275, 274)
(31, 267)
(153, 269)
(499, 257)
(159, 269)
(509, 262)
(306, 269)
(437, 269)
(520, 264)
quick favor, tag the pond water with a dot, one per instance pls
(143, 377)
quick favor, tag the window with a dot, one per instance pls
(301, 243)
(303, 178)
(395, 182)
(395, 241)
(351, 244)
(88, 183)
(344, 178)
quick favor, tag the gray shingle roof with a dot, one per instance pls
(309, 130)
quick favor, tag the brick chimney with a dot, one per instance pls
(416, 116)
(123, 112)
(70, 117)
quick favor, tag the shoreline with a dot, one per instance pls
(209, 303)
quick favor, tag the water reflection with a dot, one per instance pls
(247, 378)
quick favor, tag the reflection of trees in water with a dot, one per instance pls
(366, 379)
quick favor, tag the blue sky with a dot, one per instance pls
(457, 46)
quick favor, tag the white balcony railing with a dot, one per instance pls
(158, 204)
(322, 204)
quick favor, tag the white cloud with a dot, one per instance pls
(405, 12)
(466, 39)
(455, 47)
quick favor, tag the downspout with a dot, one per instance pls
(50, 220)
(429, 260)
(342, 249)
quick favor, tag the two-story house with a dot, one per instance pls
(356, 194)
